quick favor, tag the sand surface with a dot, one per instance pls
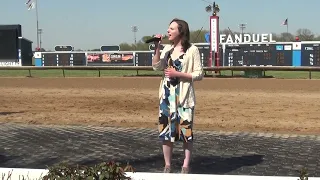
(265, 105)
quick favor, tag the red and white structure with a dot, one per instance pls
(214, 41)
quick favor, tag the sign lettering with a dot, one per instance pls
(9, 64)
(309, 48)
(246, 38)
(214, 29)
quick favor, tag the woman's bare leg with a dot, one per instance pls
(167, 147)
(187, 147)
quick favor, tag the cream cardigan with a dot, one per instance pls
(191, 63)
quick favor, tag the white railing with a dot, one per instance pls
(149, 68)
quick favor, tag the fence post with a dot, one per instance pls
(63, 72)
(99, 73)
(309, 74)
(29, 72)
(137, 72)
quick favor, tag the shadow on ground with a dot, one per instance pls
(4, 159)
(8, 113)
(9, 161)
(200, 164)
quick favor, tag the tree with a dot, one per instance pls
(305, 35)
(125, 47)
(284, 37)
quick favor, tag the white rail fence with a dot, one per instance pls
(263, 69)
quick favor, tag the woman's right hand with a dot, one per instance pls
(158, 43)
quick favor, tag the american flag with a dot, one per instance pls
(30, 4)
(285, 23)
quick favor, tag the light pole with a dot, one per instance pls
(134, 29)
(31, 5)
(214, 34)
(40, 31)
(242, 27)
(37, 17)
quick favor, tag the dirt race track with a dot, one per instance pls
(268, 105)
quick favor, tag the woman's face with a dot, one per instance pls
(173, 31)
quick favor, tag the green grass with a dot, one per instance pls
(74, 73)
(121, 73)
(280, 74)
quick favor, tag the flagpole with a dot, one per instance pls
(287, 25)
(37, 17)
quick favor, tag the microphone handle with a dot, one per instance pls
(153, 39)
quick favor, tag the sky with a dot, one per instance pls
(90, 24)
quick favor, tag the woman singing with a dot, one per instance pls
(181, 64)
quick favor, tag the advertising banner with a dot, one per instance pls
(110, 59)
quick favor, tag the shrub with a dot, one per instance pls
(303, 174)
(103, 171)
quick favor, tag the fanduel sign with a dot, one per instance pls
(246, 38)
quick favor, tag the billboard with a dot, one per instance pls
(310, 54)
(258, 55)
(143, 58)
(63, 59)
(204, 50)
(49, 59)
(110, 59)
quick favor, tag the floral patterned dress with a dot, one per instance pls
(175, 121)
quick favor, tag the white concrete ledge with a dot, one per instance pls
(36, 174)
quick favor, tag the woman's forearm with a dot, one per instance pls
(156, 57)
(186, 76)
(194, 76)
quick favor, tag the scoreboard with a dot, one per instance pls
(63, 59)
(310, 55)
(258, 55)
(143, 59)
(251, 54)
(204, 51)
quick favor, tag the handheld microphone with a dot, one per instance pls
(153, 39)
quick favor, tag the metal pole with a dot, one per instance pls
(287, 25)
(37, 17)
(242, 26)
(40, 31)
(134, 30)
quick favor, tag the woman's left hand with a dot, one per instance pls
(171, 73)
